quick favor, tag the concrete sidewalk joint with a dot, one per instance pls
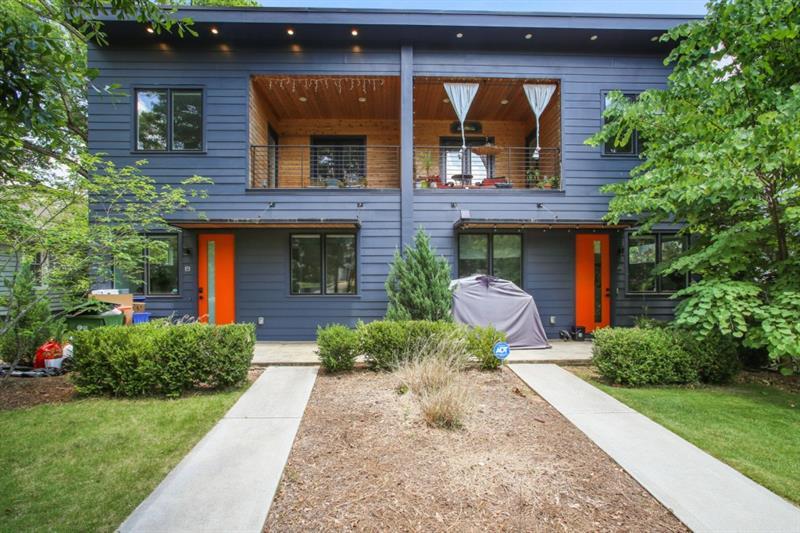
(228, 480)
(703, 492)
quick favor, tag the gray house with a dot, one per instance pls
(332, 135)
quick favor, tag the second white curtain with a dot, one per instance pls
(538, 96)
(461, 96)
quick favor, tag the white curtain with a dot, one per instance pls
(461, 96)
(538, 96)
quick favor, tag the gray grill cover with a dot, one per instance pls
(484, 300)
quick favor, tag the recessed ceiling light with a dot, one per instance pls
(459, 35)
(150, 29)
(214, 30)
(290, 32)
(446, 100)
(529, 36)
(593, 38)
(303, 99)
(362, 99)
(354, 32)
(504, 101)
(654, 38)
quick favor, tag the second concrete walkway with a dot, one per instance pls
(228, 480)
(704, 493)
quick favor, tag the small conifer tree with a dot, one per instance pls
(418, 284)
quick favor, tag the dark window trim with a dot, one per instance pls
(489, 234)
(324, 267)
(336, 140)
(658, 235)
(634, 135)
(146, 267)
(135, 107)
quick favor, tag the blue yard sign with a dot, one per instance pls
(501, 350)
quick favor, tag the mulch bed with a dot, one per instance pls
(364, 460)
(26, 392)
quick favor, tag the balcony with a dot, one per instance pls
(487, 166)
(327, 166)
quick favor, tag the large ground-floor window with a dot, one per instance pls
(497, 254)
(158, 275)
(644, 253)
(323, 264)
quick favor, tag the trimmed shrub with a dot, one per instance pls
(387, 343)
(159, 358)
(338, 347)
(480, 345)
(716, 358)
(638, 356)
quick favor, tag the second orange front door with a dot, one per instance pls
(592, 281)
(216, 302)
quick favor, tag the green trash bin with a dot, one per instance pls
(80, 322)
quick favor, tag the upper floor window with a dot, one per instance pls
(631, 147)
(644, 253)
(169, 120)
(158, 275)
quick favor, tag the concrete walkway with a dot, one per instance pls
(304, 353)
(228, 480)
(704, 493)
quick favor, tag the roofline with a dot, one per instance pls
(429, 18)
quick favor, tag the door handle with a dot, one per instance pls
(608, 292)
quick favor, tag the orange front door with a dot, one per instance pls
(216, 302)
(592, 281)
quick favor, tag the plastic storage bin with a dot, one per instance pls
(141, 317)
(94, 321)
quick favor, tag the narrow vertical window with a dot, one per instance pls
(306, 268)
(151, 119)
(641, 262)
(507, 257)
(163, 265)
(597, 248)
(340, 264)
(671, 247)
(187, 120)
(473, 254)
(611, 147)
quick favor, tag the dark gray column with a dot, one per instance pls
(406, 144)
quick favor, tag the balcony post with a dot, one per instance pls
(406, 144)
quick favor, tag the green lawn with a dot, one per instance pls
(754, 428)
(85, 465)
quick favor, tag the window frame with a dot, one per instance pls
(169, 90)
(490, 250)
(323, 264)
(447, 143)
(658, 235)
(635, 145)
(322, 141)
(146, 268)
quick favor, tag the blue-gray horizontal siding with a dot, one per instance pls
(224, 74)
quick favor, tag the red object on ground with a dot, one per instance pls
(49, 350)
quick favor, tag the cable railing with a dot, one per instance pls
(487, 167)
(328, 166)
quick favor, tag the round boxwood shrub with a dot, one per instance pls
(639, 356)
(338, 347)
(716, 358)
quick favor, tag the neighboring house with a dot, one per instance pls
(318, 127)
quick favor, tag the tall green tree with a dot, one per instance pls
(721, 154)
(418, 284)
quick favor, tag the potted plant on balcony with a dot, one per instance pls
(425, 161)
(533, 178)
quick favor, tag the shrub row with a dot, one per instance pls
(387, 343)
(659, 355)
(160, 358)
